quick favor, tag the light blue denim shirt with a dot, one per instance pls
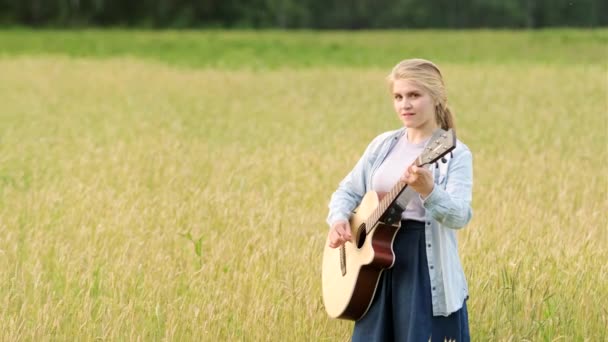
(448, 207)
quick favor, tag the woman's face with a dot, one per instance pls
(414, 106)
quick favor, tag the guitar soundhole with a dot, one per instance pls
(361, 236)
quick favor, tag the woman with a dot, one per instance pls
(423, 296)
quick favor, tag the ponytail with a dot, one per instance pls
(444, 117)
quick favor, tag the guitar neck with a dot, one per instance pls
(389, 199)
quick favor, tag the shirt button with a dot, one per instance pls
(429, 245)
(433, 288)
(432, 267)
(428, 223)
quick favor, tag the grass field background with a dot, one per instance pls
(173, 185)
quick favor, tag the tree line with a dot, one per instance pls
(312, 14)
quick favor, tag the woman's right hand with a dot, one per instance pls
(339, 234)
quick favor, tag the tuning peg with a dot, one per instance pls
(443, 160)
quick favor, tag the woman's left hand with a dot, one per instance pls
(420, 179)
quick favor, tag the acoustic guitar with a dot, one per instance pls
(352, 271)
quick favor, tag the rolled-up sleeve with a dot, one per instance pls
(349, 193)
(353, 187)
(452, 206)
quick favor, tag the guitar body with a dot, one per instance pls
(351, 273)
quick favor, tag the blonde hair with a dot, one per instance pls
(426, 75)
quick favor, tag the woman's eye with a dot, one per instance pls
(397, 97)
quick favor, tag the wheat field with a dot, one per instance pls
(144, 201)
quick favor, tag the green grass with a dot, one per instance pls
(106, 166)
(303, 49)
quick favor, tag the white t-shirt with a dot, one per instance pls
(392, 168)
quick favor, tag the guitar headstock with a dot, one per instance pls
(437, 148)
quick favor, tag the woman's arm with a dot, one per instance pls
(349, 193)
(354, 186)
(452, 207)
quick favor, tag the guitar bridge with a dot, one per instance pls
(343, 259)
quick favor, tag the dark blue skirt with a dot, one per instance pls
(402, 309)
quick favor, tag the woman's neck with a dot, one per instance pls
(417, 135)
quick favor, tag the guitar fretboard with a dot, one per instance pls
(384, 204)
